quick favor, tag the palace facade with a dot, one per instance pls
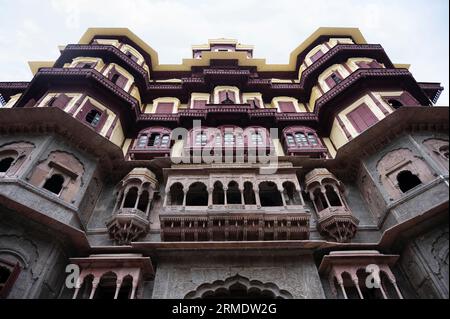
(223, 176)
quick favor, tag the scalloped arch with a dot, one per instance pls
(223, 286)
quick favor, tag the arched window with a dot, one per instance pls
(229, 139)
(8, 276)
(407, 181)
(218, 194)
(5, 164)
(301, 139)
(107, 286)
(320, 200)
(5, 273)
(270, 195)
(126, 288)
(290, 139)
(54, 184)
(395, 103)
(201, 139)
(304, 140)
(142, 141)
(291, 195)
(93, 118)
(165, 141)
(233, 193)
(155, 139)
(143, 201)
(249, 194)
(197, 195)
(131, 198)
(176, 194)
(332, 196)
(312, 139)
(86, 287)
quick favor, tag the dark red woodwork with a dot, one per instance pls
(164, 108)
(287, 107)
(151, 142)
(316, 56)
(60, 101)
(85, 110)
(303, 141)
(362, 118)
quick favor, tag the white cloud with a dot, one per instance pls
(411, 31)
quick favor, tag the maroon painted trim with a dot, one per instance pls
(112, 127)
(380, 105)
(344, 128)
(306, 148)
(347, 67)
(77, 104)
(164, 107)
(362, 118)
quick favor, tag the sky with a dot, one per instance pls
(415, 32)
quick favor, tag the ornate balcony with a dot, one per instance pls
(234, 227)
(231, 210)
(127, 225)
(348, 273)
(131, 212)
(335, 220)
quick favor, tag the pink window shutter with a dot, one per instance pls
(164, 108)
(330, 82)
(199, 104)
(362, 118)
(222, 96)
(287, 107)
(316, 56)
(61, 101)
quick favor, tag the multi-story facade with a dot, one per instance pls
(224, 175)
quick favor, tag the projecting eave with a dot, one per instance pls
(241, 57)
(405, 118)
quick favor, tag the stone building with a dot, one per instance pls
(223, 176)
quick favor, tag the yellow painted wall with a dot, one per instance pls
(126, 146)
(337, 135)
(329, 146)
(10, 103)
(323, 47)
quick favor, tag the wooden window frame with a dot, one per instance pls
(362, 118)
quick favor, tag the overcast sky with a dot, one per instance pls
(411, 31)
